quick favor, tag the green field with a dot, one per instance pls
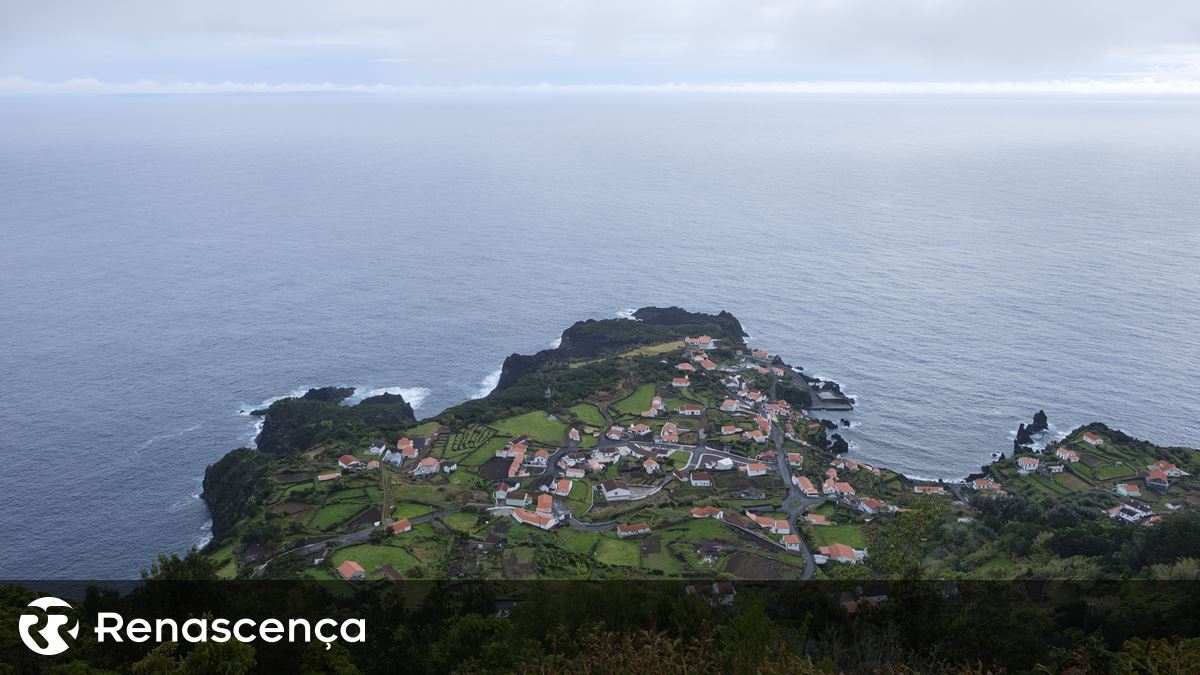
(850, 535)
(619, 552)
(654, 350)
(579, 541)
(411, 510)
(332, 515)
(485, 452)
(371, 556)
(462, 521)
(534, 425)
(637, 402)
(588, 414)
(423, 429)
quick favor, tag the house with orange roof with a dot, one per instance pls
(1158, 480)
(515, 469)
(516, 498)
(574, 472)
(562, 488)
(985, 484)
(632, 530)
(791, 542)
(573, 434)
(322, 477)
(640, 429)
(427, 466)
(756, 469)
(700, 479)
(843, 489)
(805, 486)
(540, 520)
(756, 436)
(1027, 465)
(795, 459)
(708, 512)
(829, 487)
(373, 465)
(730, 429)
(545, 504)
(1066, 454)
(1092, 439)
(615, 490)
(730, 405)
(929, 489)
(870, 506)
(1128, 490)
(614, 433)
(781, 526)
(400, 526)
(348, 461)
(760, 353)
(1167, 468)
(816, 519)
(650, 465)
(691, 410)
(686, 367)
(540, 457)
(708, 364)
(351, 571)
(669, 433)
(680, 382)
(843, 554)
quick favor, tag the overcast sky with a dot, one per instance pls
(382, 45)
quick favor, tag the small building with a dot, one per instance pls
(781, 526)
(351, 571)
(985, 484)
(427, 466)
(562, 488)
(795, 459)
(540, 458)
(650, 465)
(686, 367)
(615, 490)
(707, 364)
(574, 472)
(843, 554)
(1167, 468)
(400, 526)
(322, 477)
(1158, 481)
(929, 489)
(692, 410)
(669, 433)
(729, 405)
(614, 433)
(681, 382)
(373, 465)
(730, 429)
(516, 498)
(545, 504)
(640, 429)
(1066, 454)
(700, 479)
(756, 436)
(805, 486)
(540, 520)
(348, 461)
(573, 434)
(1027, 465)
(1128, 490)
(870, 506)
(634, 530)
(1092, 439)
(791, 542)
(708, 512)
(756, 469)
(816, 519)
(702, 342)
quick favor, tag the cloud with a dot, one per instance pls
(595, 41)
(1142, 86)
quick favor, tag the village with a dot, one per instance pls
(701, 472)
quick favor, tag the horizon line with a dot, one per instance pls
(1134, 86)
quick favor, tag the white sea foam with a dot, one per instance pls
(166, 436)
(414, 396)
(626, 313)
(205, 534)
(556, 342)
(245, 410)
(488, 384)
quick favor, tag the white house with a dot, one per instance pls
(1027, 465)
(1092, 439)
(756, 469)
(700, 479)
(615, 490)
(427, 466)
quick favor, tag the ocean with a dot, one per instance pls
(956, 263)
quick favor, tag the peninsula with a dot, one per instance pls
(665, 446)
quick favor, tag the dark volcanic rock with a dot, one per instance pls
(600, 337)
(838, 445)
(328, 394)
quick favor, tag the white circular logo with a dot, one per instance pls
(51, 633)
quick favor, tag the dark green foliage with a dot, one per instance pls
(296, 424)
(235, 487)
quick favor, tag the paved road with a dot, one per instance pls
(796, 502)
(352, 538)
